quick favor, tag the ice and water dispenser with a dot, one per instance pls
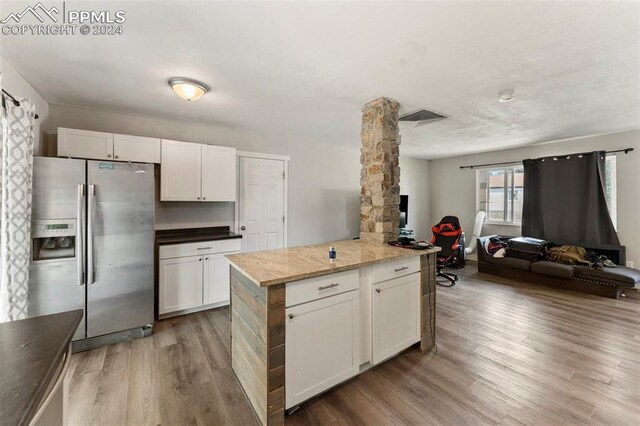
(54, 239)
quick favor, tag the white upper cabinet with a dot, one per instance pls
(136, 148)
(218, 173)
(107, 146)
(85, 144)
(180, 175)
(196, 172)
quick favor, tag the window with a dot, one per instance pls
(500, 194)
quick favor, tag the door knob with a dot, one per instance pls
(243, 228)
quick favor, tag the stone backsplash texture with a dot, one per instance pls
(380, 174)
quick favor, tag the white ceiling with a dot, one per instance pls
(302, 71)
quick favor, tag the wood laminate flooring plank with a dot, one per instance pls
(509, 353)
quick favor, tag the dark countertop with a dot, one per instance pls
(194, 235)
(30, 352)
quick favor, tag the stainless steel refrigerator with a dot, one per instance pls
(92, 246)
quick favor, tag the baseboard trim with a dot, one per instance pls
(112, 338)
(193, 310)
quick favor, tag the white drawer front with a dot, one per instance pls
(319, 287)
(202, 247)
(394, 269)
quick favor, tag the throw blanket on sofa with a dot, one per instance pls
(569, 255)
(573, 255)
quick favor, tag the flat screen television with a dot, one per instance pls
(404, 210)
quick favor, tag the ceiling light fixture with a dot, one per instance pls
(506, 97)
(188, 89)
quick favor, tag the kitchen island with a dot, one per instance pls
(301, 323)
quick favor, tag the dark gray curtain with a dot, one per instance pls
(564, 200)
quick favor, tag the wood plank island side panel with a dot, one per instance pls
(250, 300)
(276, 347)
(427, 300)
(257, 345)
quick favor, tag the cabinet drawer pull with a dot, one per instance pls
(401, 269)
(204, 248)
(327, 286)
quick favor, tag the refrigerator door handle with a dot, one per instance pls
(80, 236)
(90, 231)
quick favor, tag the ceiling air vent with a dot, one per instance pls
(422, 115)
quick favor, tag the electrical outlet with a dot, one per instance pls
(629, 264)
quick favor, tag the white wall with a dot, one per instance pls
(13, 83)
(414, 182)
(453, 190)
(324, 180)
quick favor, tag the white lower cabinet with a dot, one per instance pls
(339, 322)
(181, 282)
(216, 279)
(194, 276)
(322, 345)
(396, 316)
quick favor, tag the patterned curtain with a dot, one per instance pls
(16, 171)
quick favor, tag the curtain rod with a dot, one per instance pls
(15, 101)
(506, 163)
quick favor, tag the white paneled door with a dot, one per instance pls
(261, 205)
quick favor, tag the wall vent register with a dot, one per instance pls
(422, 115)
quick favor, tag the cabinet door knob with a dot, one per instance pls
(198, 198)
(243, 228)
(204, 198)
(378, 290)
(200, 260)
(290, 316)
(108, 155)
(206, 258)
(117, 156)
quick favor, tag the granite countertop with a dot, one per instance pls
(280, 266)
(194, 235)
(30, 352)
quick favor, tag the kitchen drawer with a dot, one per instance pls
(394, 269)
(201, 247)
(317, 288)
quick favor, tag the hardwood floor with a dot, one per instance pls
(509, 353)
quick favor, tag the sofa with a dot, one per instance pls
(609, 282)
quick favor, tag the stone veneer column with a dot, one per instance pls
(380, 174)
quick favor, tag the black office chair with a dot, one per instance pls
(447, 234)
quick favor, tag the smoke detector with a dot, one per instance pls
(506, 96)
